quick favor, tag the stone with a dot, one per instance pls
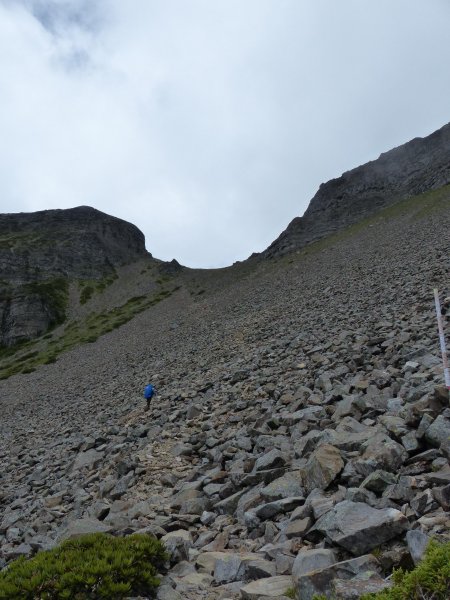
(298, 528)
(285, 486)
(271, 460)
(166, 592)
(82, 527)
(417, 544)
(227, 567)
(271, 509)
(378, 481)
(322, 468)
(178, 544)
(439, 431)
(381, 453)
(359, 528)
(442, 496)
(268, 587)
(354, 589)
(312, 560)
(87, 460)
(320, 581)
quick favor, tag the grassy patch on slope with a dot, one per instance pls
(89, 287)
(92, 566)
(28, 356)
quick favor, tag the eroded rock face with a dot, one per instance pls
(420, 165)
(50, 247)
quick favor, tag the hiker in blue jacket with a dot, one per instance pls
(149, 392)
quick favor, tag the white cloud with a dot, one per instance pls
(209, 124)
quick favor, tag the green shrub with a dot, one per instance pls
(86, 294)
(95, 566)
(430, 580)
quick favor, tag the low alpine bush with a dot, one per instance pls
(430, 580)
(95, 566)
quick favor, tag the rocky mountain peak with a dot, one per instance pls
(41, 251)
(420, 165)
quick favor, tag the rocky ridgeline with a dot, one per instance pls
(420, 165)
(41, 250)
(300, 437)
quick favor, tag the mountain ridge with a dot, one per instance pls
(412, 168)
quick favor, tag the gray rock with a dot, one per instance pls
(312, 560)
(378, 481)
(442, 496)
(439, 431)
(320, 581)
(417, 544)
(166, 592)
(286, 486)
(271, 509)
(82, 527)
(87, 460)
(269, 587)
(322, 468)
(178, 544)
(271, 460)
(354, 589)
(359, 528)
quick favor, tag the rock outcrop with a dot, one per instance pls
(418, 166)
(40, 252)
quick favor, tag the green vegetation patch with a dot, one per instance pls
(54, 293)
(430, 580)
(89, 287)
(96, 566)
(20, 360)
(22, 241)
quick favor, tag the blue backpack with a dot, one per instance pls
(149, 390)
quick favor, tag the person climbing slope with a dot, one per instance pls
(149, 392)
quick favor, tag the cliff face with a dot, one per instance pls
(420, 165)
(40, 252)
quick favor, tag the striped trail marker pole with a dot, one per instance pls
(442, 338)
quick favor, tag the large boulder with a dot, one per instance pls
(359, 528)
(320, 581)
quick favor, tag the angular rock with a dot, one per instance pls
(82, 527)
(271, 460)
(322, 468)
(320, 581)
(286, 486)
(354, 589)
(439, 431)
(359, 528)
(269, 587)
(312, 560)
(417, 544)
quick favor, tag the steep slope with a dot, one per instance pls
(415, 167)
(40, 253)
(303, 392)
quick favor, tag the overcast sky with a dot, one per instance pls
(209, 124)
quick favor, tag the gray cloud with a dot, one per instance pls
(209, 125)
(59, 16)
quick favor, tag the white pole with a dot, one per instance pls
(442, 338)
